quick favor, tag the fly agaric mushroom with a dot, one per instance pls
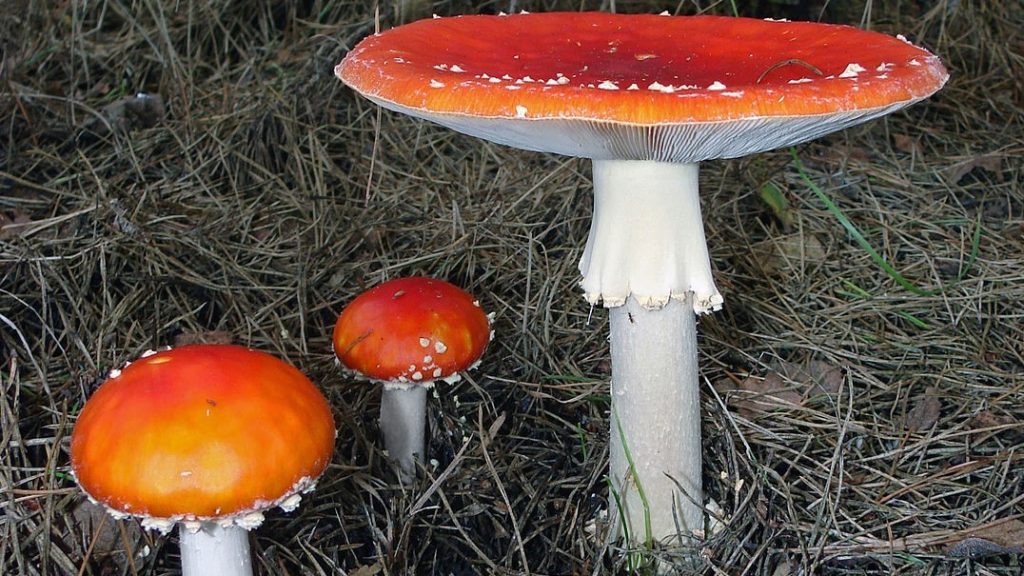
(646, 98)
(407, 333)
(206, 437)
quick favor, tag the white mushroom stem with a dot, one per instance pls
(656, 418)
(646, 259)
(215, 550)
(403, 421)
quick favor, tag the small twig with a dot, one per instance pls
(787, 62)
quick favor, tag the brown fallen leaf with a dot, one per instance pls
(101, 531)
(790, 384)
(926, 411)
(142, 110)
(989, 162)
(993, 538)
(989, 419)
(817, 376)
(986, 424)
(790, 251)
(905, 143)
(753, 395)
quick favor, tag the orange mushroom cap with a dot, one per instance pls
(638, 86)
(202, 432)
(411, 330)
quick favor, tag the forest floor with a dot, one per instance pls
(856, 421)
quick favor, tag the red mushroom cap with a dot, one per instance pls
(411, 330)
(642, 87)
(202, 432)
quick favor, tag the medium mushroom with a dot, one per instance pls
(205, 437)
(408, 333)
(646, 98)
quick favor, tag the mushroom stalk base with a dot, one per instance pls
(214, 550)
(647, 238)
(656, 418)
(403, 421)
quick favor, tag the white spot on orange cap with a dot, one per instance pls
(608, 85)
(424, 342)
(716, 85)
(852, 70)
(440, 347)
(520, 113)
(436, 84)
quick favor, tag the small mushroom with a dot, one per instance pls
(406, 334)
(206, 438)
(689, 89)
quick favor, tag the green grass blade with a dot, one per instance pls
(856, 234)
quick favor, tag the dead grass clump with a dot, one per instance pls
(258, 196)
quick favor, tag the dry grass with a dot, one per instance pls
(267, 195)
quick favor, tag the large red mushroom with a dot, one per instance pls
(647, 98)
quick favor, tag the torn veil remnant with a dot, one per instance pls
(646, 98)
